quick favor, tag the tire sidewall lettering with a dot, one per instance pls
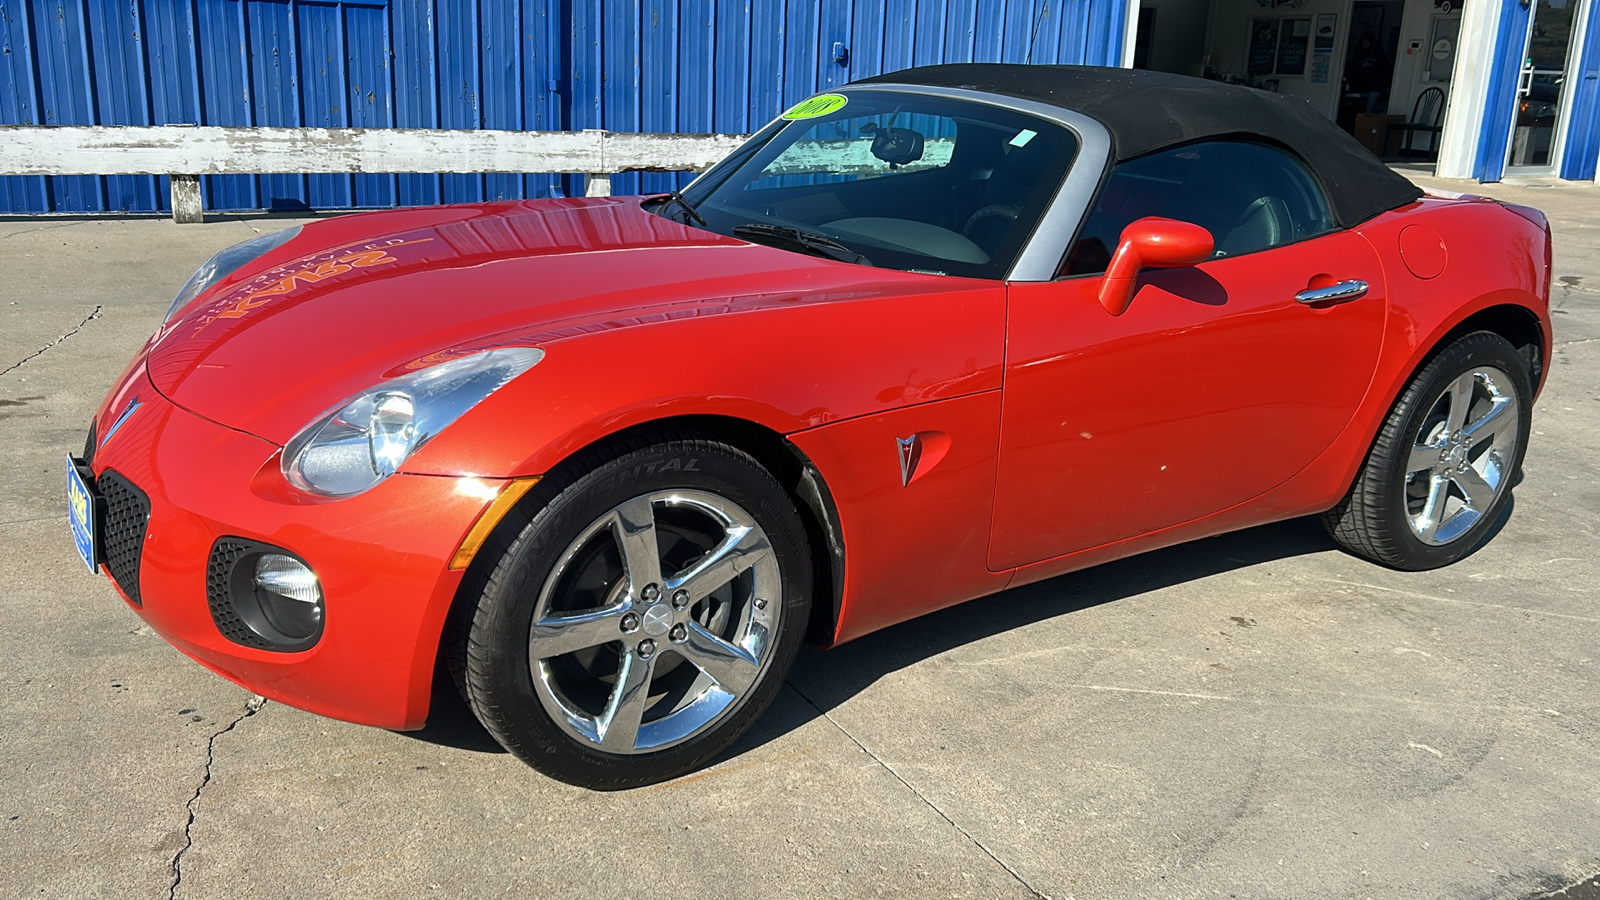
(522, 723)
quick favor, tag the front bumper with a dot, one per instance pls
(381, 557)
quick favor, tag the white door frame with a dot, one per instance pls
(1558, 137)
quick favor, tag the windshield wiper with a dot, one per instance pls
(677, 197)
(805, 241)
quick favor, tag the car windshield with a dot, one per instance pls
(897, 180)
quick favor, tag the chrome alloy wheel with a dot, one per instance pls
(1459, 462)
(655, 622)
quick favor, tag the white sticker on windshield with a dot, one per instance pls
(1023, 137)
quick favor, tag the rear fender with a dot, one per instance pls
(1486, 244)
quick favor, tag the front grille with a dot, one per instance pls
(225, 554)
(127, 518)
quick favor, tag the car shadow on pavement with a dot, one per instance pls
(451, 722)
(824, 679)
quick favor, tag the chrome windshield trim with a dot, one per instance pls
(1041, 256)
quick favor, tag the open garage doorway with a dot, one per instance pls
(1381, 69)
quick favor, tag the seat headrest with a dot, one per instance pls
(1029, 161)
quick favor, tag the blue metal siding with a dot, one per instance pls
(1582, 148)
(367, 94)
(114, 43)
(64, 93)
(1500, 100)
(413, 84)
(621, 65)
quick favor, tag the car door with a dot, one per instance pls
(1216, 385)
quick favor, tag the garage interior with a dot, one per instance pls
(1379, 68)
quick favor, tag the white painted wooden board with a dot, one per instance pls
(207, 150)
(625, 152)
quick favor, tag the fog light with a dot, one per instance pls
(263, 596)
(291, 599)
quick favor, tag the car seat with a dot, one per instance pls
(1228, 202)
(1010, 187)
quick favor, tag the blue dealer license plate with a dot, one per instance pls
(81, 512)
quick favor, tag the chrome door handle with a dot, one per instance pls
(1343, 292)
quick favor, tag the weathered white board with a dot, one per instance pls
(189, 151)
(205, 150)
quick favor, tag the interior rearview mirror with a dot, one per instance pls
(1153, 243)
(897, 146)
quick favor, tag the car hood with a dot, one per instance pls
(354, 300)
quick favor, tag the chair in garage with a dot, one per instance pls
(1426, 114)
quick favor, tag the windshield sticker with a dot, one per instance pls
(1023, 137)
(820, 105)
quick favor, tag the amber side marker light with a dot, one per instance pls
(510, 492)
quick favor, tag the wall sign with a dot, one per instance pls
(1263, 46)
(1319, 68)
(1280, 46)
(1326, 23)
(1293, 41)
(1441, 57)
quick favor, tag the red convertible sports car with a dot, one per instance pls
(941, 332)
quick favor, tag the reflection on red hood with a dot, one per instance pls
(355, 299)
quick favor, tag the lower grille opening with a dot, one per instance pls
(127, 519)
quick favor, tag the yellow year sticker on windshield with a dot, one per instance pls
(820, 105)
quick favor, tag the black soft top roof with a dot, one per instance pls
(1146, 111)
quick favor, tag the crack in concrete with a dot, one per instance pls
(40, 352)
(919, 795)
(251, 707)
(7, 237)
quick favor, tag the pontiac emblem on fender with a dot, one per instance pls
(133, 406)
(910, 455)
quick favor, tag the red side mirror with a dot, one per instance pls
(1151, 242)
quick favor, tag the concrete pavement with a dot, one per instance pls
(1256, 715)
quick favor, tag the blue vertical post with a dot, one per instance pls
(1500, 94)
(1582, 147)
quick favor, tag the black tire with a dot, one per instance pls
(1376, 519)
(499, 665)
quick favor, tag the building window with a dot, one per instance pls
(1279, 46)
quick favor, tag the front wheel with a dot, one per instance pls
(644, 618)
(1441, 470)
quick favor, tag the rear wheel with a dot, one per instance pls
(644, 617)
(1441, 470)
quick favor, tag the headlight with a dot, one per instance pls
(369, 436)
(223, 264)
